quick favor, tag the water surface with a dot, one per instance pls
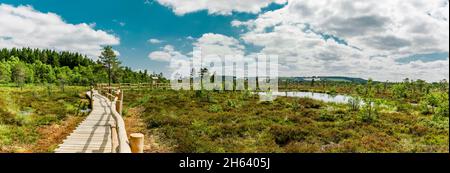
(335, 98)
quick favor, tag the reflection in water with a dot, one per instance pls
(317, 96)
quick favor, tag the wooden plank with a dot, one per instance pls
(89, 138)
(86, 134)
(81, 151)
(87, 143)
(84, 138)
(89, 126)
(88, 150)
(93, 135)
(93, 128)
(84, 146)
(72, 146)
(93, 131)
(95, 124)
(93, 145)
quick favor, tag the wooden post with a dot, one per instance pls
(114, 140)
(137, 142)
(117, 106)
(92, 97)
(121, 102)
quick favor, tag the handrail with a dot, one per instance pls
(124, 86)
(121, 143)
(124, 144)
(122, 137)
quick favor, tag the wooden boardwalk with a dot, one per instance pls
(94, 134)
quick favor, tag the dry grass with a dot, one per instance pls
(55, 134)
(134, 124)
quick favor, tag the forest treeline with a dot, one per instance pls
(38, 66)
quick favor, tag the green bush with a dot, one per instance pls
(5, 135)
(442, 108)
(199, 93)
(159, 120)
(7, 117)
(418, 130)
(141, 101)
(295, 106)
(327, 116)
(354, 103)
(437, 122)
(369, 112)
(424, 108)
(245, 95)
(20, 134)
(286, 134)
(125, 112)
(23, 120)
(215, 108)
(401, 106)
(24, 134)
(210, 98)
(310, 103)
(332, 91)
(232, 104)
(46, 120)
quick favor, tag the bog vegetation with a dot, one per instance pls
(36, 118)
(411, 116)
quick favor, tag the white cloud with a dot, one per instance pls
(154, 41)
(209, 44)
(377, 33)
(166, 54)
(222, 7)
(220, 45)
(23, 26)
(160, 56)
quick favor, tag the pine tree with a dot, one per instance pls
(109, 60)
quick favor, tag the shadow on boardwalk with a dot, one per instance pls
(93, 135)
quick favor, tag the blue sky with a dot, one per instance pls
(135, 22)
(388, 40)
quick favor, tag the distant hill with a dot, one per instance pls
(326, 78)
(318, 78)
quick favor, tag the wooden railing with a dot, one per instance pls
(128, 86)
(120, 141)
